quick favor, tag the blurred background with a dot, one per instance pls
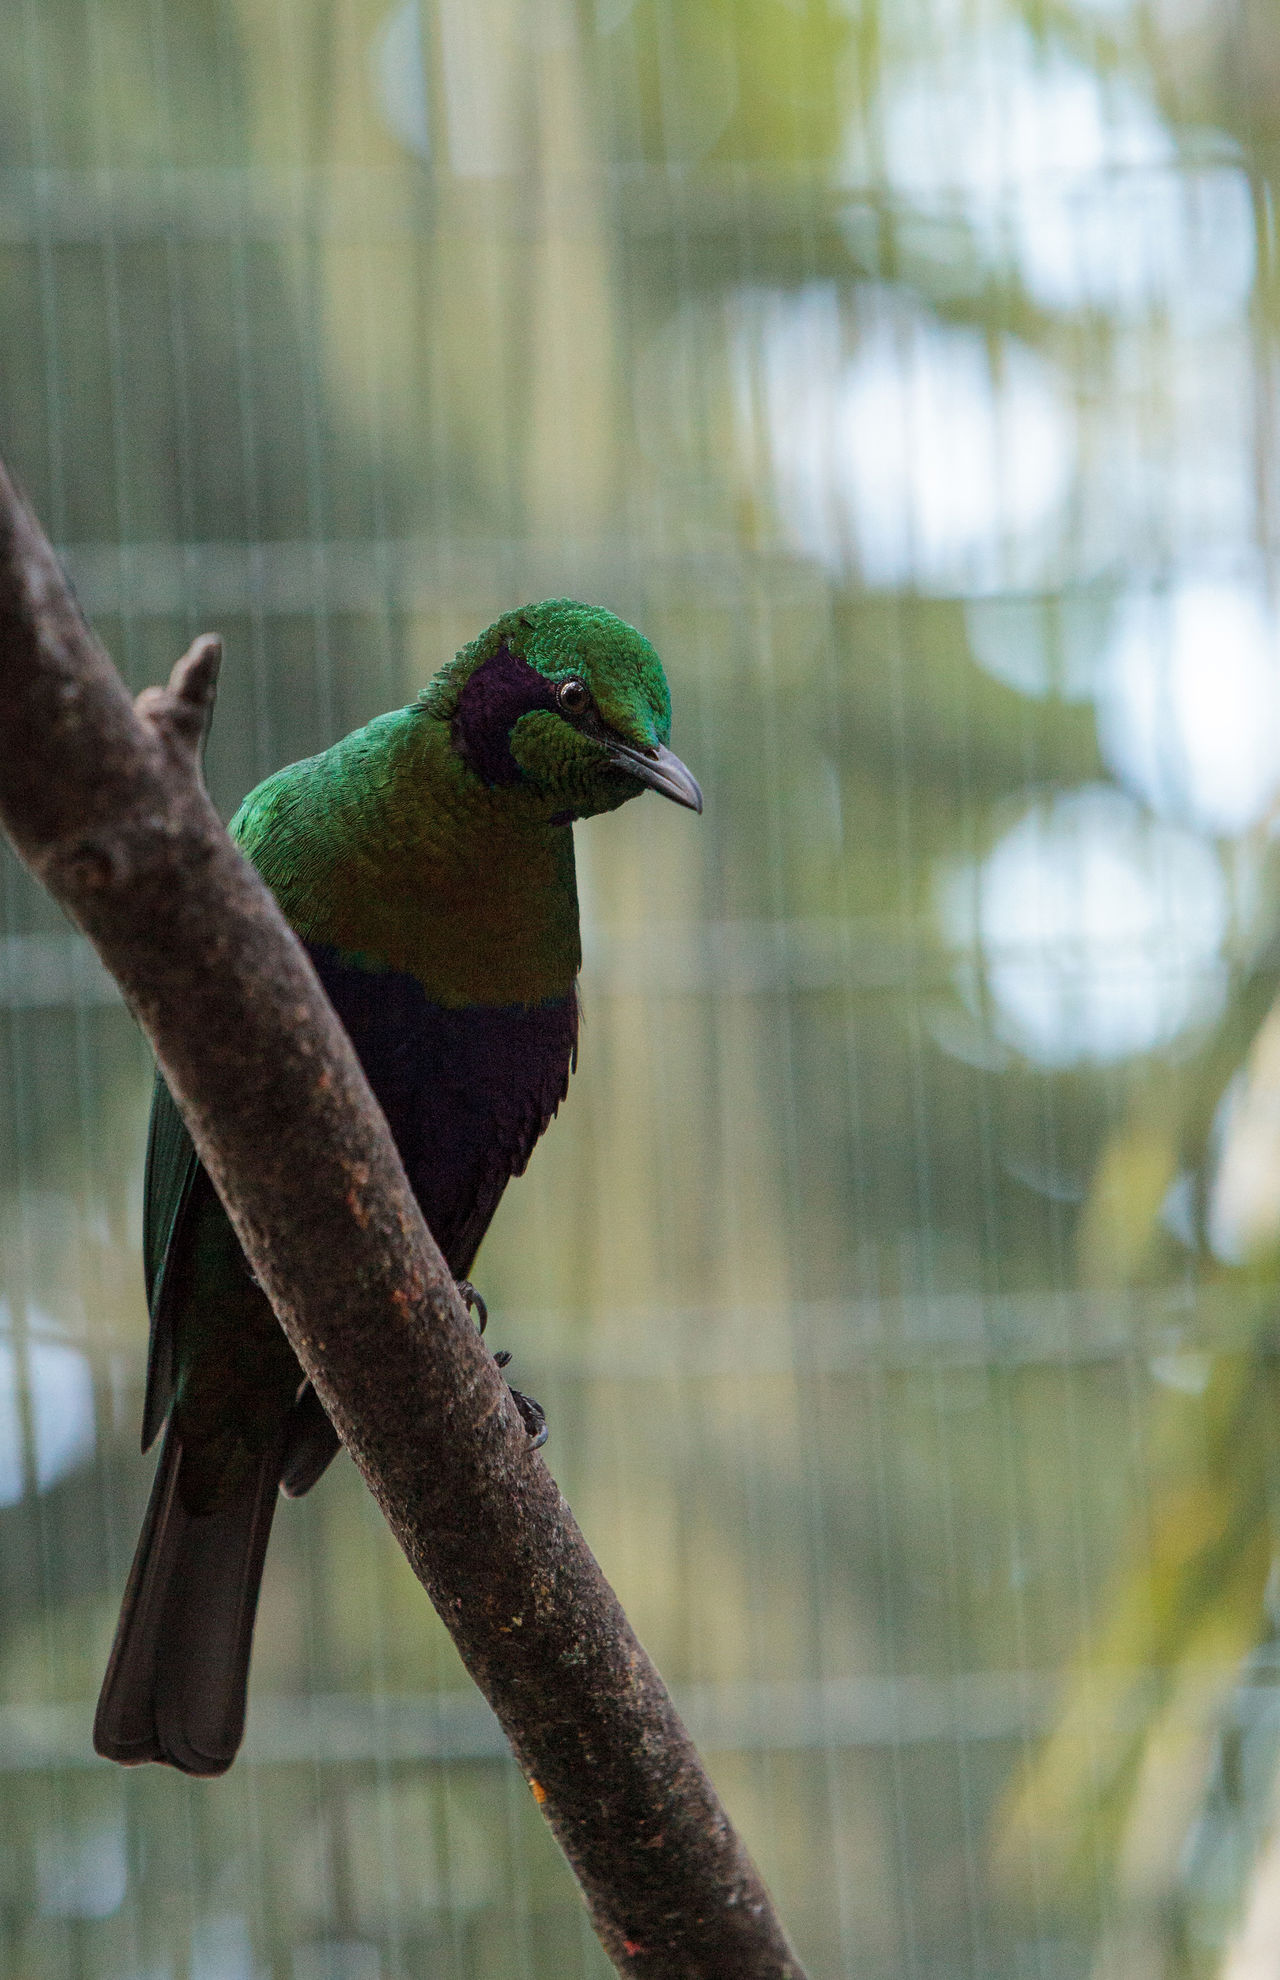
(901, 1280)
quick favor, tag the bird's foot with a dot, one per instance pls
(532, 1414)
(473, 1302)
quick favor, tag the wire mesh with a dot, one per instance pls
(899, 1279)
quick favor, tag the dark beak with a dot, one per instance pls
(660, 769)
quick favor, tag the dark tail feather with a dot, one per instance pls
(179, 1669)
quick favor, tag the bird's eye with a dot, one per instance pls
(573, 697)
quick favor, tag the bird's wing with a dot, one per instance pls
(172, 1166)
(467, 1095)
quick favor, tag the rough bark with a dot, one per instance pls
(104, 800)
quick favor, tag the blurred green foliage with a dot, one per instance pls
(900, 1278)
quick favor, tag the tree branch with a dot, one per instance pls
(105, 802)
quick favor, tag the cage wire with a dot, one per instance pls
(900, 1277)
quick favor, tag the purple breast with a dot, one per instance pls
(466, 1092)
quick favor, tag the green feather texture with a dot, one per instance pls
(433, 844)
(563, 639)
(390, 849)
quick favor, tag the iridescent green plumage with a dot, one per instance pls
(389, 847)
(426, 862)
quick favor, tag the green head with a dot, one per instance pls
(567, 703)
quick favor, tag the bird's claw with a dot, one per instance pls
(532, 1414)
(473, 1302)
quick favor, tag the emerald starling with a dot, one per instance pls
(426, 862)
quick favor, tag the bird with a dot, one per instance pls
(426, 863)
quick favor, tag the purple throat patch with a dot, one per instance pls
(491, 703)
